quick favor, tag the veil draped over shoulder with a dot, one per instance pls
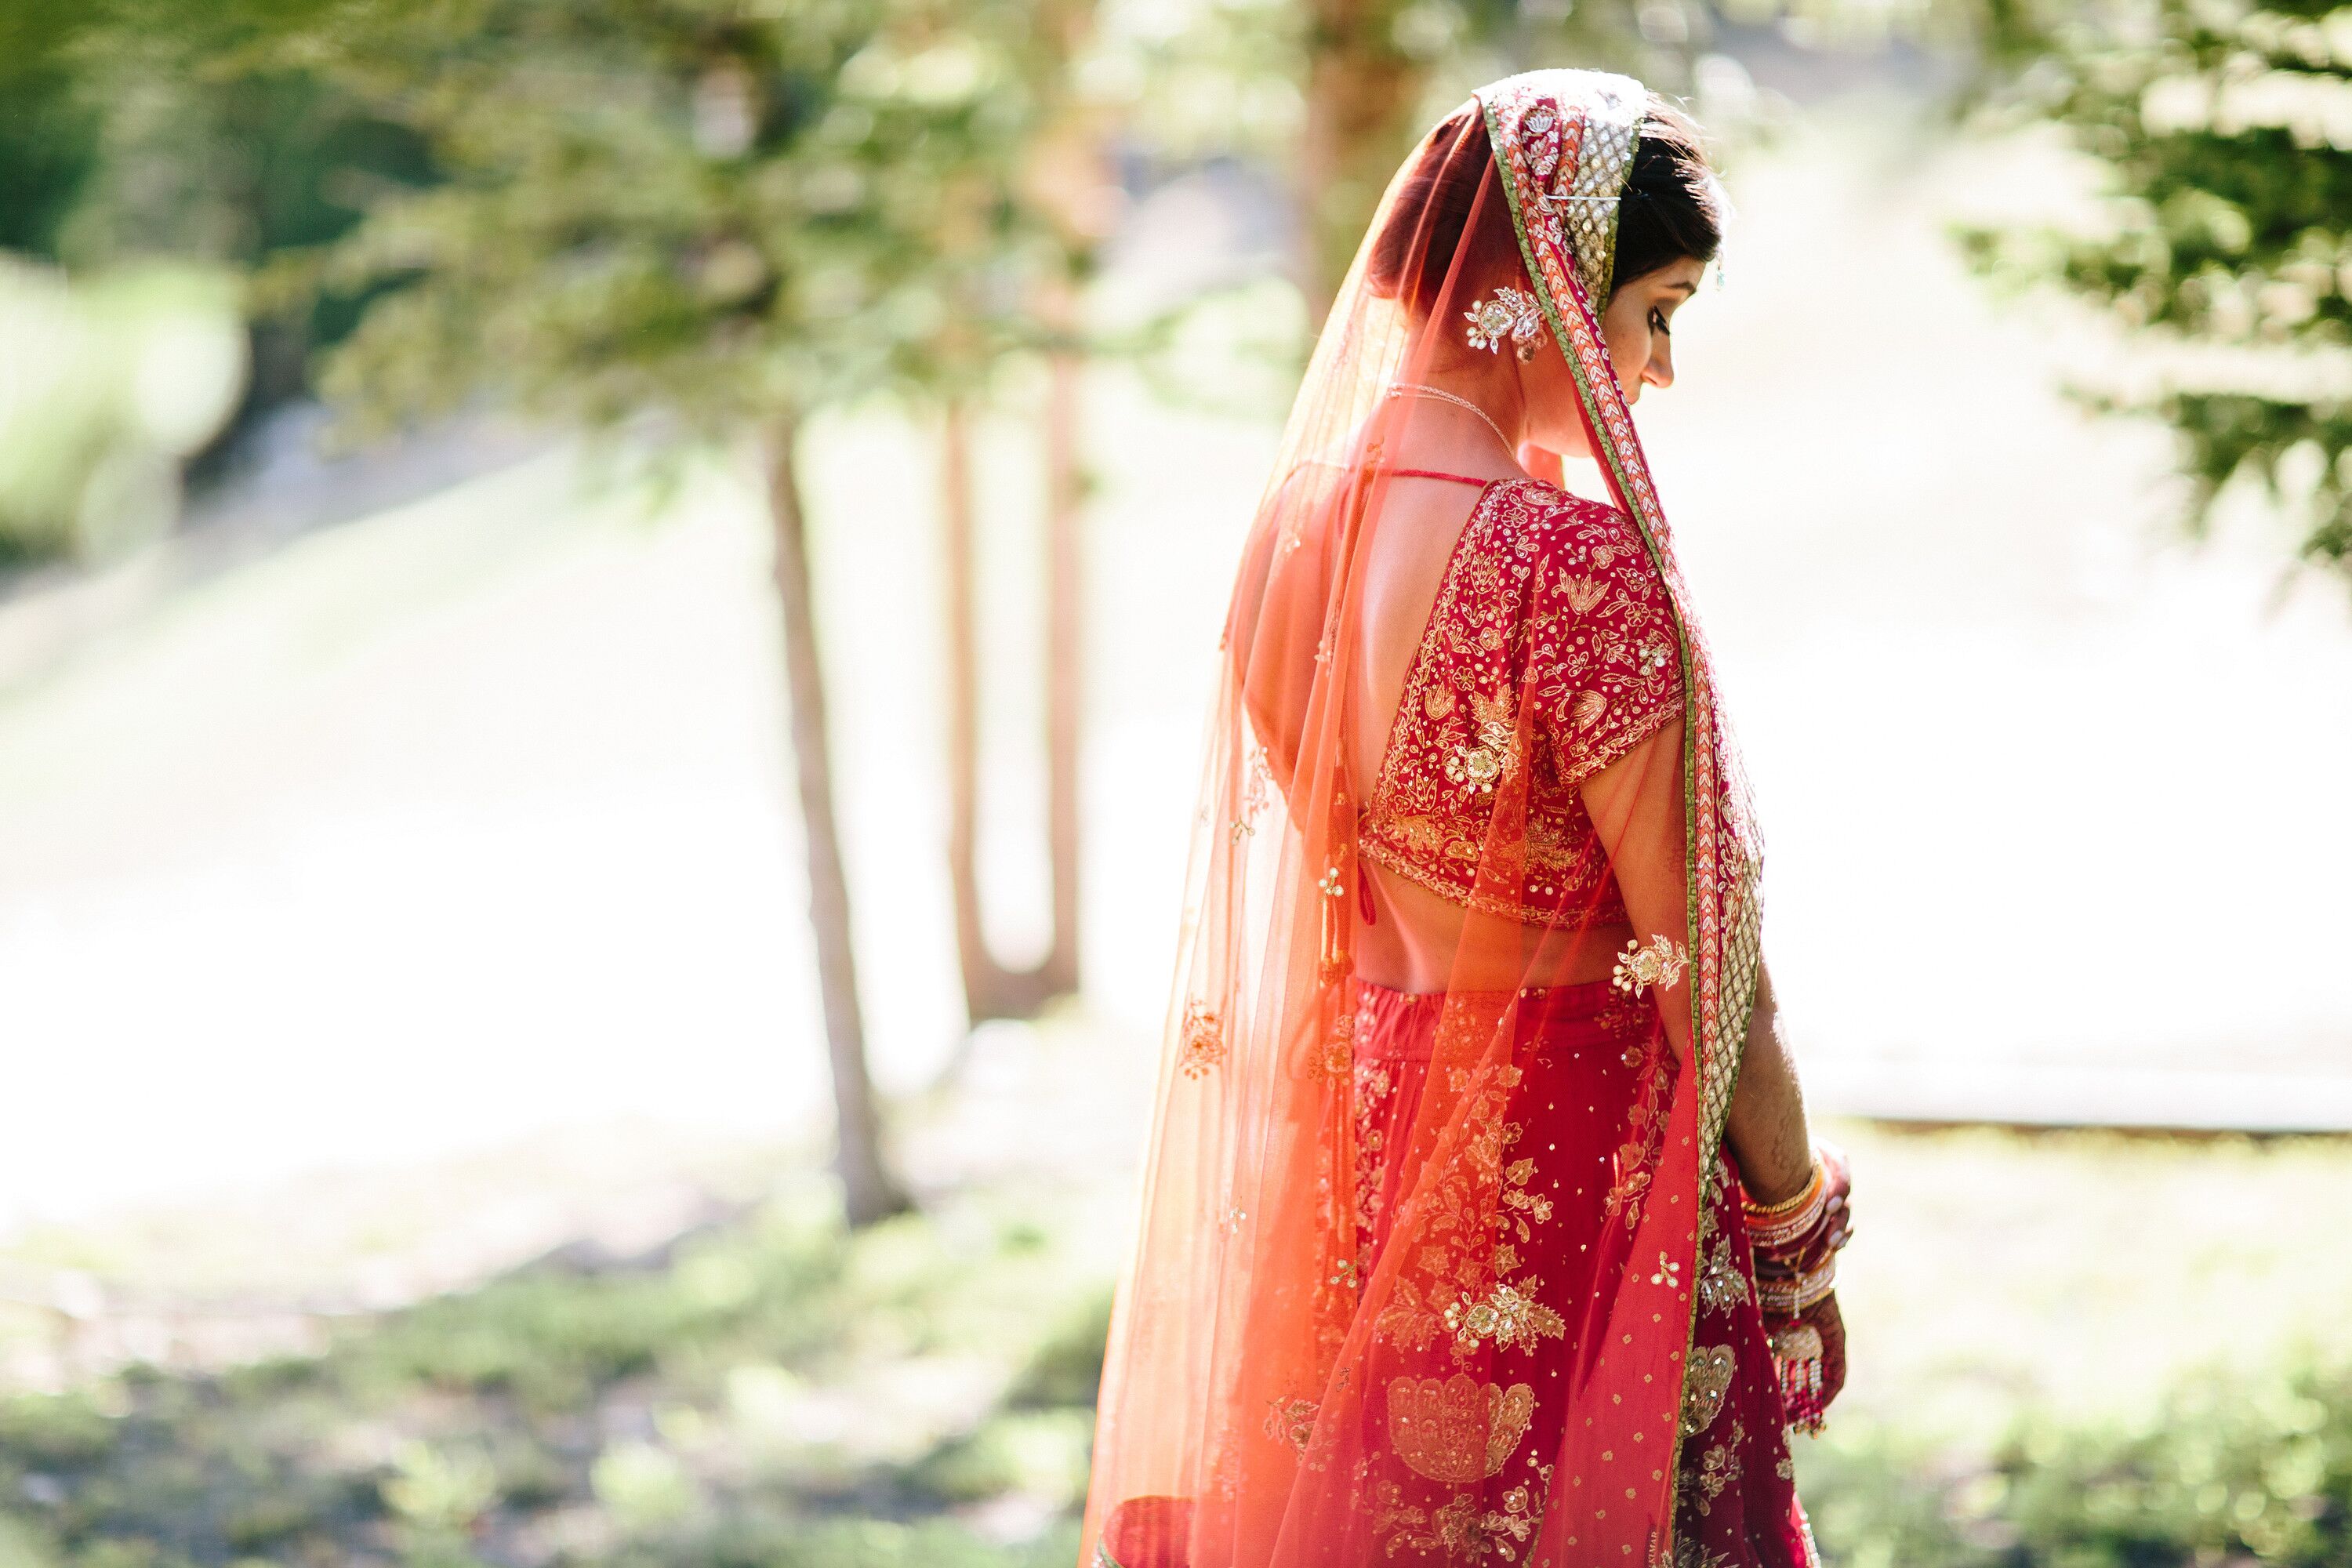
(1493, 1315)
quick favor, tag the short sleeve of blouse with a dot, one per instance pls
(1603, 654)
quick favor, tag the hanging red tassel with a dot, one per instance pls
(1797, 1352)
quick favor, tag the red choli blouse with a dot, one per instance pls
(1544, 590)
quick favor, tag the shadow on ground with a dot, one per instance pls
(770, 1391)
(765, 1390)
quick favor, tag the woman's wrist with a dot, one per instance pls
(1796, 1239)
(1769, 1201)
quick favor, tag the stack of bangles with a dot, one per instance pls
(1796, 1243)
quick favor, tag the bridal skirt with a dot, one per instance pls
(1580, 1050)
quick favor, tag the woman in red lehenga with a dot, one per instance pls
(1481, 1225)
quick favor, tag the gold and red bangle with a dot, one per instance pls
(1774, 1226)
(1788, 1297)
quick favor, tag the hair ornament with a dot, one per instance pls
(1512, 314)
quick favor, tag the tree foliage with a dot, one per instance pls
(722, 210)
(2225, 133)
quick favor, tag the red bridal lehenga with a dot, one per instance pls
(1460, 1277)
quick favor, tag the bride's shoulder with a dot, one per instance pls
(1543, 519)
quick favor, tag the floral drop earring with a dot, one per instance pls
(1509, 314)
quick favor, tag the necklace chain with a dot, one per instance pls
(1416, 389)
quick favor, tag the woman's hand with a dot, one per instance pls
(1796, 1246)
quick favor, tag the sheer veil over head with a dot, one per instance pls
(1278, 1389)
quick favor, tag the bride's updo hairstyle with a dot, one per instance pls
(1451, 198)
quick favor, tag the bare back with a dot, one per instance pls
(1413, 941)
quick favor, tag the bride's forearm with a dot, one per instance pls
(1767, 1132)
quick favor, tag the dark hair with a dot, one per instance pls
(1668, 212)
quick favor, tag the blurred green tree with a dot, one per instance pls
(710, 218)
(116, 155)
(2224, 133)
(120, 151)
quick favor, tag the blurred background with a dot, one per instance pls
(606, 617)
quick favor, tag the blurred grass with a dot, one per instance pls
(768, 1389)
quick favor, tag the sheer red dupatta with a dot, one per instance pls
(1506, 1382)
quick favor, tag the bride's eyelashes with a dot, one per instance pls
(1658, 322)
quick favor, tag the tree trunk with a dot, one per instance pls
(1065, 663)
(991, 988)
(870, 1192)
(1359, 89)
(1068, 177)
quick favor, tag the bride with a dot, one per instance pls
(1481, 1222)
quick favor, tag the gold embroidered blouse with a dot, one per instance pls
(1550, 599)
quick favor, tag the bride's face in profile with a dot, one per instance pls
(1638, 325)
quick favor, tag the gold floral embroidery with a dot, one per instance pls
(1340, 1046)
(1462, 1530)
(1629, 1166)
(1718, 1468)
(1629, 1182)
(1721, 1285)
(1660, 964)
(1373, 1087)
(1507, 1316)
(1257, 777)
(1477, 767)
(1457, 1430)
(1521, 1210)
(1705, 1387)
(1472, 1209)
(1203, 1041)
(1292, 1421)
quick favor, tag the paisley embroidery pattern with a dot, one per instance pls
(1704, 1386)
(1548, 600)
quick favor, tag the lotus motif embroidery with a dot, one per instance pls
(1583, 594)
(1457, 1430)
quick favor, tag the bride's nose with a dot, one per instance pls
(1660, 371)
